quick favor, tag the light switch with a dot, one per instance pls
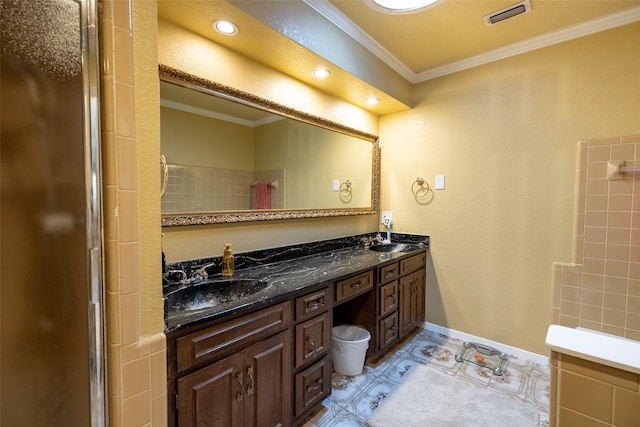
(439, 182)
(336, 185)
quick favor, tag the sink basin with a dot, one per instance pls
(394, 247)
(211, 293)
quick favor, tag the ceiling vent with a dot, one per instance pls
(509, 12)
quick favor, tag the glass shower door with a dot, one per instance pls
(51, 358)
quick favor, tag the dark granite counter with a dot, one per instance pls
(268, 276)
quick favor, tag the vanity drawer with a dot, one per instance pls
(313, 338)
(353, 286)
(388, 298)
(388, 331)
(312, 385)
(413, 263)
(388, 273)
(312, 304)
(225, 338)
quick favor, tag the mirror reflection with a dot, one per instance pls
(224, 156)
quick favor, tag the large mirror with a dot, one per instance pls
(229, 156)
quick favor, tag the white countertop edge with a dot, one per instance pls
(609, 350)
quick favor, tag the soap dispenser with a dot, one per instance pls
(228, 262)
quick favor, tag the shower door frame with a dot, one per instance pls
(93, 189)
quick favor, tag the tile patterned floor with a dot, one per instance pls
(353, 399)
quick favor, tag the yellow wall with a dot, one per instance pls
(504, 135)
(312, 157)
(195, 140)
(191, 53)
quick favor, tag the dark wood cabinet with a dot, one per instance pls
(312, 370)
(412, 301)
(249, 388)
(412, 284)
(234, 373)
(272, 367)
(267, 371)
(213, 395)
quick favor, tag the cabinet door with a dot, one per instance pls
(212, 396)
(388, 299)
(421, 284)
(412, 301)
(313, 338)
(407, 306)
(267, 376)
(388, 330)
(312, 385)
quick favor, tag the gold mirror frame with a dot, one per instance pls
(190, 81)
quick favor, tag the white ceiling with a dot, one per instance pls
(369, 52)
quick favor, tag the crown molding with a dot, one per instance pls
(340, 20)
(545, 40)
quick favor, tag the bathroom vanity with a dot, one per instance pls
(262, 356)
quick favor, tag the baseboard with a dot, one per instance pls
(518, 352)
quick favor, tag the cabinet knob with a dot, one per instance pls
(316, 385)
(313, 346)
(250, 385)
(314, 305)
(240, 386)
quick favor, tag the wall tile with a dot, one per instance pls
(570, 294)
(568, 418)
(586, 396)
(137, 410)
(613, 317)
(626, 408)
(616, 268)
(620, 236)
(615, 301)
(126, 158)
(596, 371)
(136, 377)
(129, 316)
(128, 256)
(590, 297)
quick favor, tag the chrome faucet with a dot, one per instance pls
(201, 273)
(387, 223)
(368, 241)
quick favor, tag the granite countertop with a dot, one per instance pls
(270, 282)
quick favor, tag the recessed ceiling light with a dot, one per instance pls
(402, 5)
(225, 27)
(321, 73)
(372, 100)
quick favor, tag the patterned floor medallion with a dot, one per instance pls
(355, 398)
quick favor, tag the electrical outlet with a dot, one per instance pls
(387, 217)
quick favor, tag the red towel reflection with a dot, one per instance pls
(263, 195)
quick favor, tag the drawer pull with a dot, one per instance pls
(315, 305)
(390, 273)
(240, 386)
(250, 385)
(356, 285)
(317, 384)
(390, 331)
(313, 347)
(391, 297)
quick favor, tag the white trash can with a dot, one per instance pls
(349, 344)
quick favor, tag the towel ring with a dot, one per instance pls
(165, 175)
(345, 192)
(420, 188)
